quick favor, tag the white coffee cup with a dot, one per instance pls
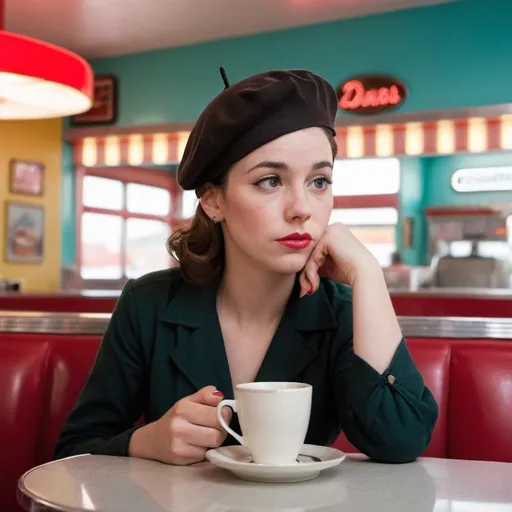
(273, 417)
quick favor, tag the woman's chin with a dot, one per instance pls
(289, 264)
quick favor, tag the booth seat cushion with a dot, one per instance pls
(480, 424)
(22, 383)
(69, 365)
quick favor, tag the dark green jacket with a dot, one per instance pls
(164, 342)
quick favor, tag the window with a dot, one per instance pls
(366, 200)
(188, 204)
(124, 222)
(366, 177)
(375, 227)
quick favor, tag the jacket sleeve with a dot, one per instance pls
(390, 416)
(110, 403)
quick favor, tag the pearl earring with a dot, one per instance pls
(214, 219)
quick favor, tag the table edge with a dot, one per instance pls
(31, 503)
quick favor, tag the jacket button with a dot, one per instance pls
(391, 379)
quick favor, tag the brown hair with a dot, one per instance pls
(199, 247)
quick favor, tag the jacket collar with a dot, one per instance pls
(200, 353)
(192, 305)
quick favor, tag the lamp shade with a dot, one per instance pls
(39, 80)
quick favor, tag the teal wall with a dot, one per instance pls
(68, 209)
(449, 55)
(412, 190)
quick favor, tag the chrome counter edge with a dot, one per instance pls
(412, 326)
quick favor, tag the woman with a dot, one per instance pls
(248, 302)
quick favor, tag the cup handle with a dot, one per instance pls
(232, 404)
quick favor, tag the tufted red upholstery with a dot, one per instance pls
(480, 424)
(41, 376)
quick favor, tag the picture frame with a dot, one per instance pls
(24, 228)
(105, 103)
(26, 178)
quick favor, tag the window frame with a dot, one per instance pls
(370, 201)
(140, 176)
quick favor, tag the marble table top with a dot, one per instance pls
(102, 483)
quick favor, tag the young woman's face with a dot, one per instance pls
(278, 200)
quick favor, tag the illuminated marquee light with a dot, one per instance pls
(160, 149)
(112, 151)
(355, 142)
(89, 153)
(445, 137)
(482, 179)
(477, 135)
(381, 140)
(384, 145)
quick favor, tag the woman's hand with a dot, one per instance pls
(185, 432)
(340, 256)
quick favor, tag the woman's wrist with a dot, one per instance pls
(140, 444)
(367, 270)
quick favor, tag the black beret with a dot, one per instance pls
(251, 113)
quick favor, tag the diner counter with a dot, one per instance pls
(500, 293)
(475, 293)
(412, 326)
(94, 483)
(451, 302)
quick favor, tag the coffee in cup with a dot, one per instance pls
(273, 417)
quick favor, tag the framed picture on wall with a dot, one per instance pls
(26, 178)
(24, 233)
(105, 100)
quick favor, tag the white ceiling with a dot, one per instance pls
(99, 28)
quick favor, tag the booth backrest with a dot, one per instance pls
(41, 376)
(472, 383)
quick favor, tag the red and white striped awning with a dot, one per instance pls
(445, 137)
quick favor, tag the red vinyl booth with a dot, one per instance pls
(41, 376)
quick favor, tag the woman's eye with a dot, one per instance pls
(321, 183)
(269, 182)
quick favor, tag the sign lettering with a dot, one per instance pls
(371, 94)
(482, 179)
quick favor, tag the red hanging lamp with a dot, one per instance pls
(39, 80)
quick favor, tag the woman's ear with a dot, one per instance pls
(211, 202)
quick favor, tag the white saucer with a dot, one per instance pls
(238, 461)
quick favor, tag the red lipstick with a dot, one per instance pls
(296, 240)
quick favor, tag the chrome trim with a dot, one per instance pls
(412, 326)
(456, 327)
(33, 503)
(53, 323)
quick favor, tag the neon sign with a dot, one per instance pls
(370, 94)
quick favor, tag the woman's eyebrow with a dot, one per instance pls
(281, 166)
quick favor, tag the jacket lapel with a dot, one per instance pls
(293, 347)
(199, 350)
